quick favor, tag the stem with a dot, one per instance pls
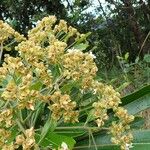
(6, 104)
(59, 34)
(20, 126)
(56, 85)
(48, 127)
(1, 52)
(87, 108)
(90, 133)
(141, 48)
(70, 45)
(20, 116)
(91, 146)
(63, 37)
(27, 117)
(122, 66)
(83, 127)
(33, 120)
(10, 44)
(17, 120)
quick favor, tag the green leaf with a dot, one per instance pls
(141, 136)
(56, 71)
(141, 139)
(71, 133)
(87, 99)
(14, 133)
(137, 60)
(6, 81)
(81, 46)
(137, 123)
(2, 90)
(141, 146)
(49, 126)
(126, 56)
(71, 130)
(54, 140)
(137, 146)
(123, 86)
(36, 86)
(136, 95)
(99, 147)
(147, 58)
(119, 58)
(138, 105)
(68, 86)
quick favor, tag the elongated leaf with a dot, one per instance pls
(67, 87)
(136, 146)
(141, 146)
(36, 86)
(137, 123)
(54, 140)
(138, 105)
(98, 147)
(81, 46)
(71, 130)
(135, 102)
(71, 133)
(56, 69)
(147, 58)
(49, 126)
(4, 82)
(141, 142)
(136, 95)
(14, 133)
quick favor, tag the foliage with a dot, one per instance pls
(50, 87)
(131, 76)
(24, 14)
(137, 73)
(134, 103)
(115, 25)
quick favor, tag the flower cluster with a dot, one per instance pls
(63, 106)
(7, 32)
(18, 87)
(117, 130)
(78, 65)
(123, 115)
(55, 52)
(4, 135)
(110, 99)
(47, 61)
(6, 118)
(27, 140)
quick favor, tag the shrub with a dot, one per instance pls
(51, 86)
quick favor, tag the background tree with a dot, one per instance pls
(116, 27)
(24, 13)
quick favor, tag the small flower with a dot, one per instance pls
(92, 55)
(128, 146)
(64, 146)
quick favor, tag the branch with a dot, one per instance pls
(1, 52)
(69, 6)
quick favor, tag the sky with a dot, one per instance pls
(90, 9)
(95, 3)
